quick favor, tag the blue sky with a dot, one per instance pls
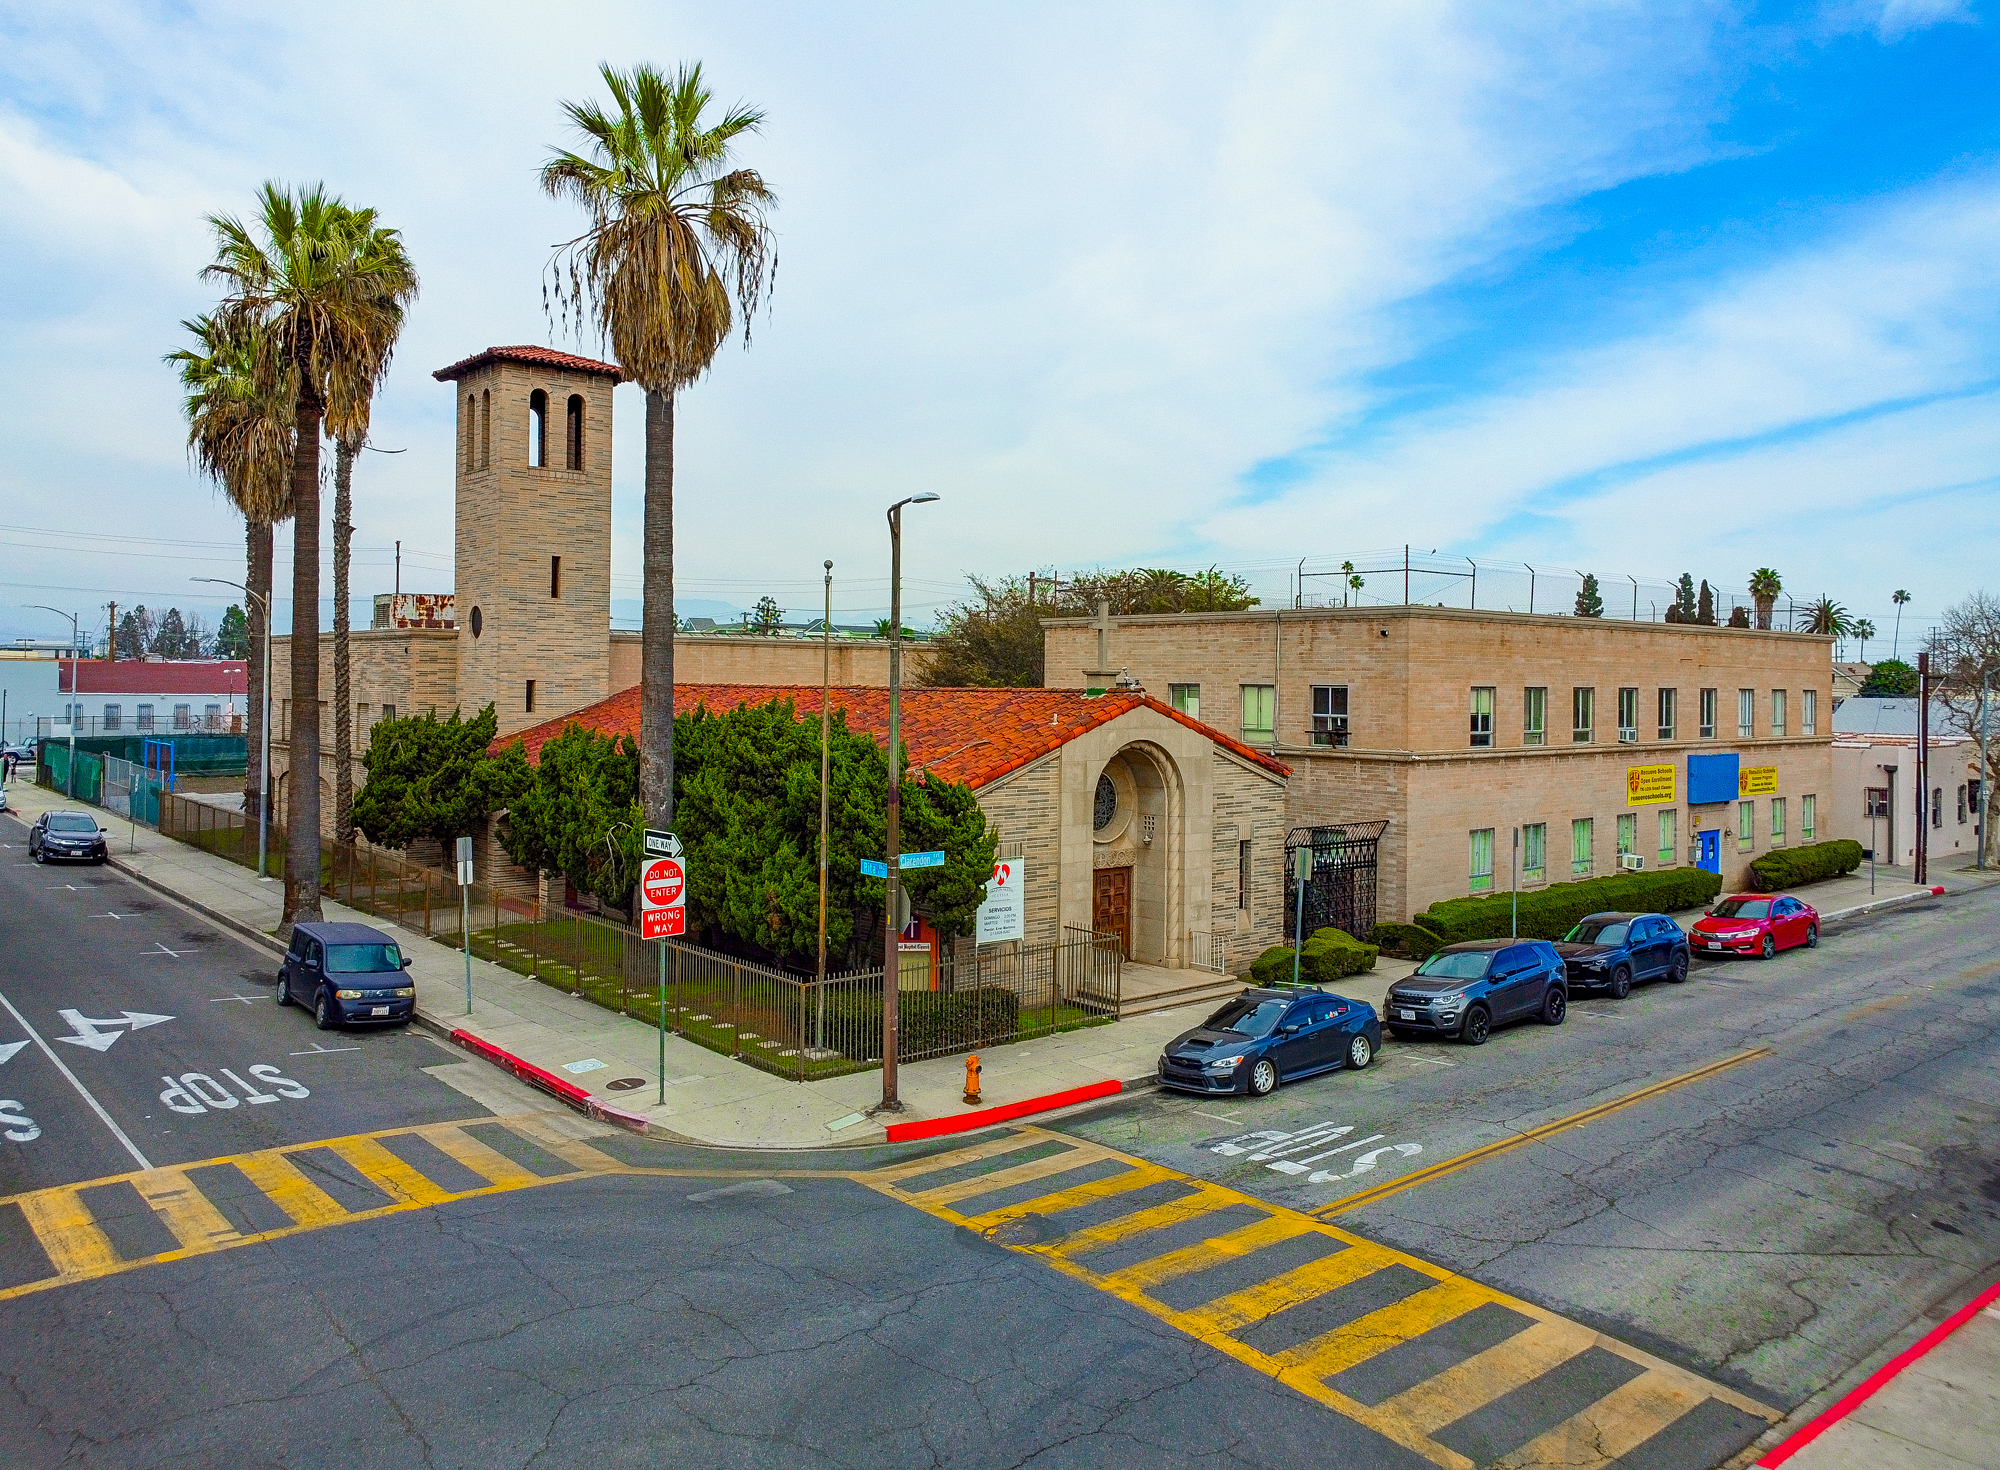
(1633, 288)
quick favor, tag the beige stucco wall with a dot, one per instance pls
(735, 658)
(1857, 762)
(1023, 808)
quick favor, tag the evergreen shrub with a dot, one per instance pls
(1550, 913)
(1329, 955)
(1412, 941)
(926, 1020)
(1788, 867)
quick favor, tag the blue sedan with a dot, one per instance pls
(1264, 1037)
(1609, 951)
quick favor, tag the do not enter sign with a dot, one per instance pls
(663, 899)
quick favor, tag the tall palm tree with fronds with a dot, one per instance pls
(1863, 631)
(1829, 619)
(678, 247)
(1765, 585)
(325, 288)
(1899, 597)
(240, 436)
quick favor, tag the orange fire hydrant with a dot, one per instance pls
(972, 1079)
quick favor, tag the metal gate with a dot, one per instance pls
(1340, 881)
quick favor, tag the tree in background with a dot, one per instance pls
(1686, 604)
(1589, 602)
(1863, 631)
(1765, 585)
(994, 640)
(1705, 610)
(1965, 665)
(1829, 619)
(1890, 679)
(1739, 617)
(173, 640)
(431, 778)
(323, 302)
(766, 617)
(677, 245)
(134, 638)
(232, 636)
(1899, 597)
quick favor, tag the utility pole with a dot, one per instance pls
(111, 636)
(1922, 873)
(825, 727)
(892, 978)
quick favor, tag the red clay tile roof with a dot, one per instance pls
(131, 676)
(536, 356)
(973, 736)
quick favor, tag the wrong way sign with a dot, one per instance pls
(662, 898)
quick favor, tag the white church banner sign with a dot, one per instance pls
(1003, 915)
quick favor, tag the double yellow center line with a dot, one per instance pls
(1533, 1135)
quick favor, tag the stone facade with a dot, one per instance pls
(1413, 719)
(736, 658)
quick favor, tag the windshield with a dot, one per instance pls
(1743, 908)
(70, 822)
(1249, 1016)
(1597, 931)
(1466, 965)
(362, 959)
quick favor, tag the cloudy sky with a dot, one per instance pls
(1634, 288)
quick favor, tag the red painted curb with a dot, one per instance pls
(1870, 1385)
(565, 1091)
(934, 1127)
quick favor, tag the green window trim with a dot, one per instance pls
(1534, 716)
(1582, 835)
(1481, 860)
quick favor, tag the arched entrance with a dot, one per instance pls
(1137, 853)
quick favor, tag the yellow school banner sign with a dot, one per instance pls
(1649, 785)
(1757, 781)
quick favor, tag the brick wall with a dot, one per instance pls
(1024, 808)
(1250, 807)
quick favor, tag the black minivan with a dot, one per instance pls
(349, 974)
(1465, 990)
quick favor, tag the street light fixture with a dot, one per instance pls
(892, 978)
(75, 694)
(264, 732)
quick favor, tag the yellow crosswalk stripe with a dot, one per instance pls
(578, 1155)
(285, 1186)
(1212, 1252)
(1289, 1289)
(482, 1159)
(387, 1172)
(1378, 1331)
(1005, 1143)
(1206, 1199)
(1074, 1196)
(69, 1236)
(1609, 1429)
(946, 1194)
(1484, 1377)
(196, 1224)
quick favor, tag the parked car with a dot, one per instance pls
(1465, 990)
(1756, 923)
(1264, 1037)
(350, 974)
(24, 751)
(1610, 951)
(68, 836)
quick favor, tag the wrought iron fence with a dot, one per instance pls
(1340, 881)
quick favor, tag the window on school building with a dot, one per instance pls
(1746, 713)
(1329, 714)
(183, 717)
(1670, 836)
(1808, 817)
(114, 716)
(1746, 825)
(1708, 714)
(1581, 832)
(1534, 716)
(1669, 698)
(1628, 832)
(1583, 715)
(145, 717)
(1628, 716)
(211, 716)
(1778, 702)
(1186, 698)
(1777, 821)
(1482, 860)
(1534, 851)
(1259, 706)
(1809, 712)
(1482, 716)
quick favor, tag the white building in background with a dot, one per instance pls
(153, 696)
(1875, 766)
(28, 691)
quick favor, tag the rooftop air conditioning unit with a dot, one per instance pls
(1631, 862)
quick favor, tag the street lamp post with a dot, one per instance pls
(75, 694)
(892, 979)
(264, 726)
(825, 824)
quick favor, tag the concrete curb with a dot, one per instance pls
(1879, 904)
(234, 925)
(564, 1092)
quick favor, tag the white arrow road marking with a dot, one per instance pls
(8, 1049)
(63, 1067)
(1366, 1162)
(99, 1035)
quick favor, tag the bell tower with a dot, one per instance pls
(533, 532)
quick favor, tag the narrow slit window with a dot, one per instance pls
(538, 430)
(531, 697)
(471, 434)
(1243, 875)
(485, 428)
(573, 434)
(555, 576)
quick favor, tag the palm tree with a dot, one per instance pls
(1765, 585)
(327, 298)
(678, 244)
(241, 437)
(1829, 619)
(1899, 597)
(1863, 631)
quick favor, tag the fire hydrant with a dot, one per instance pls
(972, 1079)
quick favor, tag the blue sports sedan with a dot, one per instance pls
(1264, 1037)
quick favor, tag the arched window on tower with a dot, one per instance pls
(538, 430)
(573, 438)
(471, 432)
(486, 428)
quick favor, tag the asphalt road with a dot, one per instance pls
(137, 1034)
(1765, 1227)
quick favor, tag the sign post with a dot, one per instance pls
(465, 913)
(662, 912)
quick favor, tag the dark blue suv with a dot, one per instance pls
(349, 974)
(1609, 951)
(1465, 990)
(1264, 1037)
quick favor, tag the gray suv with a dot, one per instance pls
(1465, 990)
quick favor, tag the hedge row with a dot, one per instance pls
(1411, 941)
(1790, 866)
(1329, 955)
(1549, 913)
(926, 1020)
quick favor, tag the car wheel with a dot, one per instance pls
(323, 1013)
(1812, 936)
(1555, 1006)
(284, 994)
(37, 856)
(1476, 1027)
(1360, 1052)
(1770, 948)
(1677, 972)
(1621, 983)
(1263, 1078)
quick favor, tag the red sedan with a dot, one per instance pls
(1755, 923)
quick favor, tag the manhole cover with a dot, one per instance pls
(624, 1084)
(1024, 1230)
